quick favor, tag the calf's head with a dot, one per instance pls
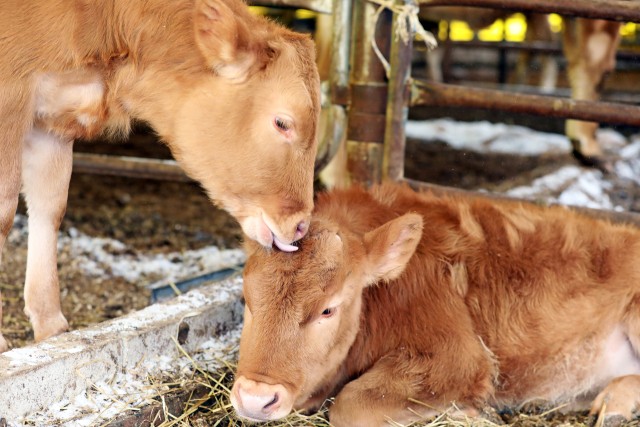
(246, 126)
(302, 312)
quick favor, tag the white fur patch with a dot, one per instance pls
(589, 368)
(56, 94)
(618, 357)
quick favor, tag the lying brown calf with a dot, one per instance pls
(396, 298)
(233, 95)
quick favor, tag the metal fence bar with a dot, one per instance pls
(430, 93)
(134, 167)
(320, 6)
(609, 215)
(532, 46)
(613, 10)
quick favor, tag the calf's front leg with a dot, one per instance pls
(402, 389)
(9, 194)
(14, 110)
(47, 162)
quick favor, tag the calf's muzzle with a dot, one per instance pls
(258, 401)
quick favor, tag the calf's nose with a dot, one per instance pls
(258, 401)
(301, 229)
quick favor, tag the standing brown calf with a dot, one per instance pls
(234, 96)
(396, 297)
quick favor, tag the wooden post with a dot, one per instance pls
(368, 93)
(397, 103)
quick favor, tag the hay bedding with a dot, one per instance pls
(113, 224)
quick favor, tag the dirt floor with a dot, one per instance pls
(163, 217)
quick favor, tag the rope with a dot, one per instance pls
(407, 24)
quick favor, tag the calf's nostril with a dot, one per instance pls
(272, 403)
(301, 229)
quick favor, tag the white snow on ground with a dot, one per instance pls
(485, 136)
(570, 185)
(98, 256)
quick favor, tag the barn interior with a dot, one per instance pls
(135, 231)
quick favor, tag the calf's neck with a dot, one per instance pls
(399, 304)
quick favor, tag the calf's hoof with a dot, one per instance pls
(3, 344)
(610, 421)
(618, 402)
(597, 162)
(49, 327)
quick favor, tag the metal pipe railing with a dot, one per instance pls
(320, 6)
(613, 10)
(134, 167)
(431, 93)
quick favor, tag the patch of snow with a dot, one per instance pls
(628, 167)
(569, 185)
(485, 137)
(103, 256)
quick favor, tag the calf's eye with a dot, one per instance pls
(281, 124)
(328, 312)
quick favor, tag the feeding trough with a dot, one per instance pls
(89, 376)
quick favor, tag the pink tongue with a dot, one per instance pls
(283, 246)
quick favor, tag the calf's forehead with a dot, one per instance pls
(303, 278)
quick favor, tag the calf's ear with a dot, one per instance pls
(390, 246)
(226, 38)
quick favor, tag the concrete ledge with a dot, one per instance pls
(35, 377)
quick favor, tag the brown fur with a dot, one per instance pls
(441, 300)
(207, 75)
